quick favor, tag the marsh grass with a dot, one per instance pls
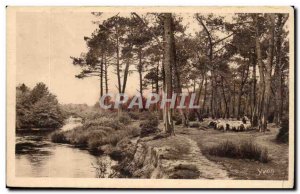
(242, 150)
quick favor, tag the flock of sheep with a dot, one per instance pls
(231, 125)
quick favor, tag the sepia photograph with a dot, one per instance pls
(150, 97)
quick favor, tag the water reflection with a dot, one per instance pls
(37, 156)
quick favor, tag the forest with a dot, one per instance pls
(233, 67)
(237, 64)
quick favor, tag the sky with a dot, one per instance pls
(45, 42)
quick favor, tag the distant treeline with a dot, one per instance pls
(75, 110)
(37, 108)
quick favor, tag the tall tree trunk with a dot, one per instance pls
(233, 100)
(126, 70)
(265, 71)
(118, 67)
(157, 78)
(268, 69)
(204, 95)
(278, 68)
(200, 91)
(226, 112)
(259, 106)
(211, 101)
(101, 76)
(199, 97)
(244, 78)
(253, 104)
(239, 103)
(178, 86)
(210, 57)
(140, 71)
(168, 62)
(105, 75)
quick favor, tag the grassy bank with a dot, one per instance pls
(242, 150)
(98, 129)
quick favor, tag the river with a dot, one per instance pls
(37, 156)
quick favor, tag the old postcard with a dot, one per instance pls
(150, 97)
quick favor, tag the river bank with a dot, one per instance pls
(98, 132)
(37, 156)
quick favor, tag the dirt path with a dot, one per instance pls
(190, 157)
(188, 153)
(207, 169)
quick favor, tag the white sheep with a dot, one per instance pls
(234, 125)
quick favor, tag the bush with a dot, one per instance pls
(245, 150)
(177, 118)
(283, 135)
(192, 116)
(225, 149)
(147, 131)
(249, 150)
(124, 119)
(149, 126)
(151, 122)
(146, 115)
(134, 115)
(59, 137)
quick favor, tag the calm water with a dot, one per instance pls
(37, 156)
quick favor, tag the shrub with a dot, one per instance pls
(250, 150)
(245, 150)
(59, 137)
(224, 149)
(134, 115)
(77, 137)
(283, 135)
(124, 119)
(96, 139)
(101, 168)
(192, 116)
(149, 126)
(177, 118)
(135, 132)
(152, 121)
(147, 131)
(146, 115)
(117, 155)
